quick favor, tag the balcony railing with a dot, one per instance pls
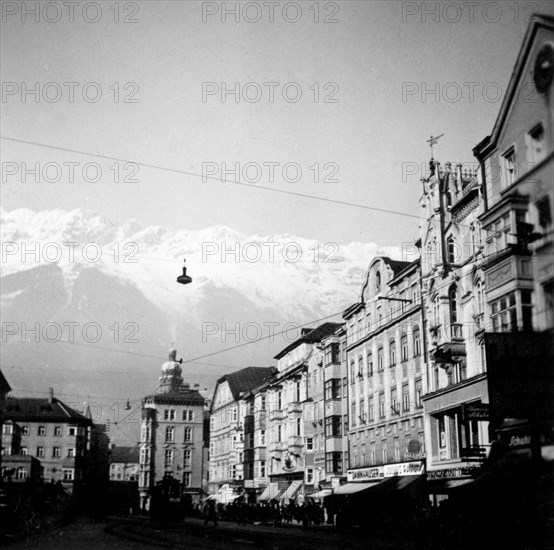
(294, 407)
(276, 414)
(296, 441)
(456, 332)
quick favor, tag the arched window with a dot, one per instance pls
(451, 246)
(453, 303)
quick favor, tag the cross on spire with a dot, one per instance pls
(433, 141)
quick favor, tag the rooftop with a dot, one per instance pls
(33, 409)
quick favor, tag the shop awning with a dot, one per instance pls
(351, 488)
(321, 494)
(273, 490)
(224, 494)
(443, 486)
(291, 490)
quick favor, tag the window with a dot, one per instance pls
(451, 248)
(453, 303)
(186, 479)
(404, 347)
(309, 444)
(71, 452)
(68, 474)
(405, 398)
(23, 450)
(40, 452)
(344, 387)
(187, 434)
(380, 360)
(332, 354)
(279, 432)
(360, 367)
(298, 392)
(381, 405)
(371, 411)
(384, 452)
(370, 364)
(417, 343)
(279, 401)
(298, 426)
(504, 313)
(397, 450)
(56, 452)
(509, 167)
(262, 403)
(168, 456)
(333, 463)
(377, 282)
(262, 468)
(188, 415)
(72, 430)
(24, 430)
(57, 431)
(333, 426)
(169, 414)
(544, 212)
(309, 476)
(536, 150)
(418, 394)
(187, 458)
(169, 434)
(352, 372)
(441, 425)
(21, 473)
(42, 430)
(394, 401)
(262, 438)
(332, 388)
(232, 471)
(353, 419)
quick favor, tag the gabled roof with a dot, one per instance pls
(536, 21)
(32, 409)
(244, 379)
(311, 337)
(396, 265)
(127, 455)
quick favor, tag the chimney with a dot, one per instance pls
(50, 395)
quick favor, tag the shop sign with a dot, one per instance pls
(364, 474)
(475, 411)
(404, 469)
(451, 473)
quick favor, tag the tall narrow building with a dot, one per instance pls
(172, 452)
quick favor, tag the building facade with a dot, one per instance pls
(517, 164)
(55, 434)
(232, 433)
(172, 440)
(456, 394)
(295, 399)
(386, 373)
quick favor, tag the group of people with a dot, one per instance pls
(310, 512)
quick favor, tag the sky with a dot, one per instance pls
(349, 116)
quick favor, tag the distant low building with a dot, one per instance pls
(124, 464)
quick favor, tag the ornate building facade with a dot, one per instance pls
(172, 441)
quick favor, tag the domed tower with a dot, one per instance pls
(171, 378)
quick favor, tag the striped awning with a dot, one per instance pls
(290, 492)
(273, 490)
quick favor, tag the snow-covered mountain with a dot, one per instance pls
(62, 267)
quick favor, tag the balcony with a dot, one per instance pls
(276, 414)
(276, 446)
(456, 333)
(294, 407)
(296, 442)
